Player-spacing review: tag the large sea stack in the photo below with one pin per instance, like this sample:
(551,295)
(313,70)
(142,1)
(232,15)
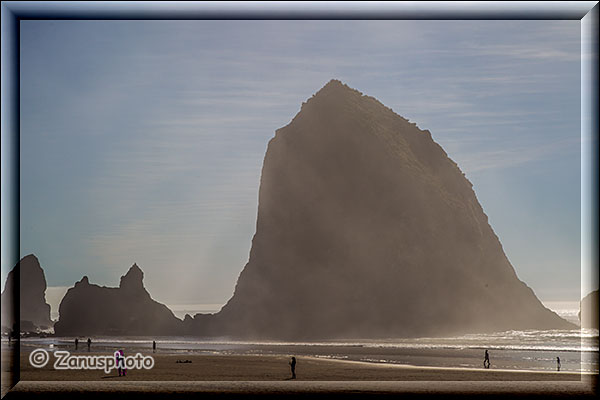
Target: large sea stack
(367,229)
(33,309)
(89,309)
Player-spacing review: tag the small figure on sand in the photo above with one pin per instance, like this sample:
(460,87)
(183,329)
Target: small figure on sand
(121,362)
(76,343)
(89,342)
(293,366)
(118,361)
(486,360)
(154,346)
(558,363)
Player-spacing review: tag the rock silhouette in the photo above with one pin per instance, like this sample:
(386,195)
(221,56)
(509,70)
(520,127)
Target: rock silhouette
(34,311)
(366,228)
(588,310)
(89,309)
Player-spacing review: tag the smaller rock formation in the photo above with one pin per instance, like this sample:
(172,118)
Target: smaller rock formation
(34,311)
(588,311)
(89,309)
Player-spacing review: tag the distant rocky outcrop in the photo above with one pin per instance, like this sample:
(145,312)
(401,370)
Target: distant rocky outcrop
(366,228)
(89,309)
(33,309)
(588,311)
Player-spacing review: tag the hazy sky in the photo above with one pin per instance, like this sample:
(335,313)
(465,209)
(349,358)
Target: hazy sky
(143,141)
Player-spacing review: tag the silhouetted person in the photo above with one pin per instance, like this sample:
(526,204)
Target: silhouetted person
(89,342)
(154,346)
(76,343)
(120,362)
(293,366)
(558,363)
(486,360)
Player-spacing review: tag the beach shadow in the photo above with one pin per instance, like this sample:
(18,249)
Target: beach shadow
(289,379)
(111,376)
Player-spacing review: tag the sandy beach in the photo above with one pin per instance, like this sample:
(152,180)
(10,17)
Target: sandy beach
(276,368)
(270,374)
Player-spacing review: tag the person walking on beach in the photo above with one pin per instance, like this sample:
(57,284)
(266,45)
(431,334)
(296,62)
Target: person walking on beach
(89,342)
(293,366)
(154,346)
(558,363)
(486,360)
(76,343)
(120,363)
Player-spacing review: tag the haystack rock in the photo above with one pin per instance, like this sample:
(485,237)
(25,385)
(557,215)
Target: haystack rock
(367,229)
(588,311)
(89,309)
(34,311)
